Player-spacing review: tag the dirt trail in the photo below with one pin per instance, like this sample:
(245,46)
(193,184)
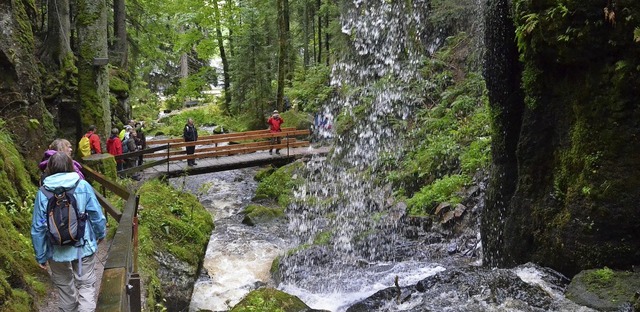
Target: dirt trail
(51,302)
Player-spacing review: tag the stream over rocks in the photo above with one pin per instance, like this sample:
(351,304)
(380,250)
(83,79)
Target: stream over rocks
(238,256)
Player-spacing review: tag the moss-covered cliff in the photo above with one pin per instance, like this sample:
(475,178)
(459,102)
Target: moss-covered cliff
(575,169)
(22,282)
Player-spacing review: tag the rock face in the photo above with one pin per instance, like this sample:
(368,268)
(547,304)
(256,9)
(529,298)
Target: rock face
(566,173)
(177,279)
(21,105)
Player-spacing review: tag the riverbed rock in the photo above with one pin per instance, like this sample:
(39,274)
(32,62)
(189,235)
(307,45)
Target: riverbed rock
(270,299)
(605,289)
(177,279)
(256,214)
(467,289)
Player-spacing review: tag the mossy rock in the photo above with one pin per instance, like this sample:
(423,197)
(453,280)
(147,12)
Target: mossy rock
(270,299)
(256,214)
(102,163)
(604,289)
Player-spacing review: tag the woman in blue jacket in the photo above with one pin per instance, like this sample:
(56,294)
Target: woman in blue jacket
(72,268)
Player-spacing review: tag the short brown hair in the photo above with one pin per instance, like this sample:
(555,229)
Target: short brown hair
(59,162)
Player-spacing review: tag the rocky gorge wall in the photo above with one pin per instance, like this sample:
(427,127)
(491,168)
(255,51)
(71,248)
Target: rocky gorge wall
(563,192)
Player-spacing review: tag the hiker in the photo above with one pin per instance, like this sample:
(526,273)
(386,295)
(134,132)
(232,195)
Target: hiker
(124,132)
(114,147)
(130,142)
(72,267)
(274,126)
(190,134)
(141,140)
(58,145)
(94,140)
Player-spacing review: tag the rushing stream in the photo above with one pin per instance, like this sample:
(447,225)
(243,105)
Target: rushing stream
(238,257)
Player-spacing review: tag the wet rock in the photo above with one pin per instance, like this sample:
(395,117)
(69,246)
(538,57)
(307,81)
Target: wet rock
(452,248)
(256,214)
(466,289)
(269,299)
(605,289)
(177,278)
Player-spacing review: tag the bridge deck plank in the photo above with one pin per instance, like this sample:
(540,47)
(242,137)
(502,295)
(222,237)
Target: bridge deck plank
(221,163)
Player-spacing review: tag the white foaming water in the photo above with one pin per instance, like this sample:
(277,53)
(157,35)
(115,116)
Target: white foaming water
(369,283)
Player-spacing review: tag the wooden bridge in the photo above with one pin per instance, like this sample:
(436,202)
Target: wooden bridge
(120,288)
(218,152)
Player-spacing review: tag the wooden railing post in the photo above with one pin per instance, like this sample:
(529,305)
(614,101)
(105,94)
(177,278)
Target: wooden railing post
(168,155)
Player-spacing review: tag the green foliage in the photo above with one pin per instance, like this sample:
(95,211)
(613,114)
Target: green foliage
(170,221)
(442,190)
(310,88)
(600,277)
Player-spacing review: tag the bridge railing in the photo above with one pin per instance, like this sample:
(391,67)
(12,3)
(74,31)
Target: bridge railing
(167,150)
(120,286)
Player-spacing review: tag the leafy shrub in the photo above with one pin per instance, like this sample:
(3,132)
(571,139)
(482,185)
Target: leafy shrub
(442,190)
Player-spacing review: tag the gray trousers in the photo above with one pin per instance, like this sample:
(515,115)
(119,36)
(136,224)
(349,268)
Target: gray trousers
(77,292)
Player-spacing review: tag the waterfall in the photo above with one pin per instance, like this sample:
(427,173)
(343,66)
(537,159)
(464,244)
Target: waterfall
(343,215)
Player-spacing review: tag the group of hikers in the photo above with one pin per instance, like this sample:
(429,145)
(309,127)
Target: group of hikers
(68,222)
(130,139)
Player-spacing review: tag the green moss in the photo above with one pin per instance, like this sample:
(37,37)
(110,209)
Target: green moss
(255,214)
(279,185)
(269,299)
(189,226)
(21,280)
(118,82)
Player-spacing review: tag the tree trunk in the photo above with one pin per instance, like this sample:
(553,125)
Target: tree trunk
(57,47)
(305,36)
(93,78)
(282,54)
(120,48)
(290,56)
(326,34)
(319,3)
(223,56)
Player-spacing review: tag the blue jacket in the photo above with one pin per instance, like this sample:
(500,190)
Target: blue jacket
(86,201)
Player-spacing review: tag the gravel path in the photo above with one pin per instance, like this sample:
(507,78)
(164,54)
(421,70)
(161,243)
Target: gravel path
(51,302)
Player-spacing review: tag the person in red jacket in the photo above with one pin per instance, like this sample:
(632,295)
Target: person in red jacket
(114,147)
(94,140)
(274,126)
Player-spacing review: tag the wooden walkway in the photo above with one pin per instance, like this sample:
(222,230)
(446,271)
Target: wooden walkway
(166,158)
(215,164)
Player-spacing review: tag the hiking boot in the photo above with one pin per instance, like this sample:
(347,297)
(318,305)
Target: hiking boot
(270,152)
(278,152)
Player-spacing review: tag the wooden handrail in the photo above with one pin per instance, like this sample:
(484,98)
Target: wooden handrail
(239,151)
(241,138)
(213,136)
(120,285)
(217,148)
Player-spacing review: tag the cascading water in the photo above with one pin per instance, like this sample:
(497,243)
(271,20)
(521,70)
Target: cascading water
(344,200)
(350,229)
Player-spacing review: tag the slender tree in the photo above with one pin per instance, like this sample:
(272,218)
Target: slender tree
(223,57)
(120,46)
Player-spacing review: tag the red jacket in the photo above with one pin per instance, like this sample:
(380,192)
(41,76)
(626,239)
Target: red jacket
(274,124)
(94,141)
(114,146)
